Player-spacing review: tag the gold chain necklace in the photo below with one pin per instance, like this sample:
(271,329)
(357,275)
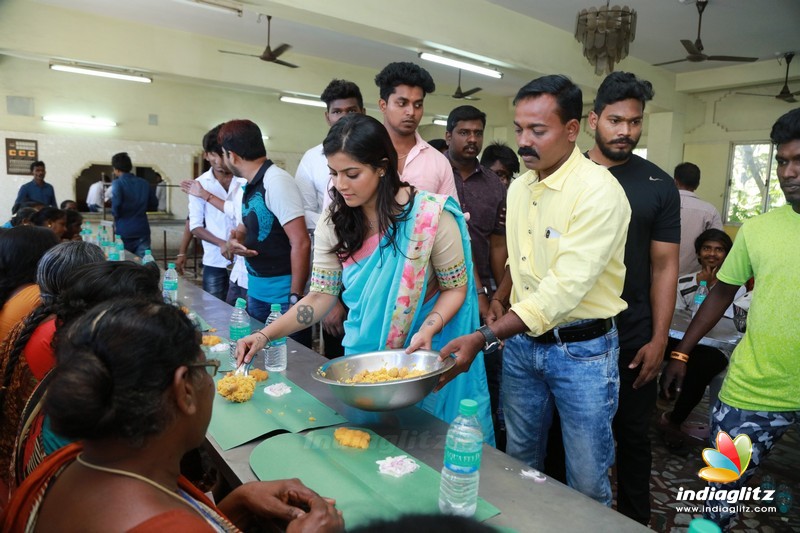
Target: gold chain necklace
(134,475)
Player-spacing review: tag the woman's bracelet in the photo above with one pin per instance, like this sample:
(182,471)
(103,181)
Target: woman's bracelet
(439,315)
(269,341)
(680,356)
(181,255)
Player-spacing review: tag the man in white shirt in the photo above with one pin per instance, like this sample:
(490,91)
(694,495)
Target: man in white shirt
(696,216)
(208,223)
(403,87)
(95,198)
(161,192)
(313,177)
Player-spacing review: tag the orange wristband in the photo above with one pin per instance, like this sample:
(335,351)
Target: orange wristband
(680,356)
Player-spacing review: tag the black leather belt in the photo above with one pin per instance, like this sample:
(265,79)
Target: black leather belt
(581,332)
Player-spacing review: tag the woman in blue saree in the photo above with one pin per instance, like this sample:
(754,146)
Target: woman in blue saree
(401,256)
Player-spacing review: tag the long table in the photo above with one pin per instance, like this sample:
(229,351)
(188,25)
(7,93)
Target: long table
(526,505)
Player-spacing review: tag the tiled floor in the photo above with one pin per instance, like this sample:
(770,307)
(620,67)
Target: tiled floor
(672,471)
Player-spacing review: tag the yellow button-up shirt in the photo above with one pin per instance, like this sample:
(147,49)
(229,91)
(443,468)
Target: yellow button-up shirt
(566,244)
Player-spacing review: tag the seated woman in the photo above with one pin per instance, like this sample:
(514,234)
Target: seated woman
(711,246)
(132,384)
(20,250)
(52,218)
(403,258)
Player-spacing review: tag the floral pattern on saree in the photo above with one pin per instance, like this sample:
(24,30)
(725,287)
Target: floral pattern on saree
(426,223)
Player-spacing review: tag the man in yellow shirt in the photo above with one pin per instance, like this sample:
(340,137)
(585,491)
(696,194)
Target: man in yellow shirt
(566,229)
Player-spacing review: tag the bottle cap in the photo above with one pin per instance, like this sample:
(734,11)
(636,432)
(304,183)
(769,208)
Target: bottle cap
(241,303)
(275,307)
(702,525)
(170,265)
(703,284)
(147,252)
(468,407)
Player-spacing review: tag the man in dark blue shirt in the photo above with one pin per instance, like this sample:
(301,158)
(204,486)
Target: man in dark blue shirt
(36,190)
(131,198)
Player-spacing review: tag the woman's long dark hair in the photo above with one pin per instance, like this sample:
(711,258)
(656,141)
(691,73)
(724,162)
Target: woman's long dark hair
(365,140)
(20,251)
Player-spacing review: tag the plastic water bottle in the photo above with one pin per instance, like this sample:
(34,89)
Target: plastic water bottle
(120,251)
(703,525)
(783,498)
(113,252)
(239,326)
(699,297)
(276,351)
(148,257)
(458,491)
(170,286)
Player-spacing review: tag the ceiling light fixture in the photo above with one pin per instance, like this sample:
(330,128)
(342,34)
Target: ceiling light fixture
(101,72)
(217,5)
(302,101)
(440,121)
(92,122)
(460,64)
(606,34)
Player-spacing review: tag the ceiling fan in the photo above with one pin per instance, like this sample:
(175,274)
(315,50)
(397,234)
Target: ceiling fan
(695,49)
(269,55)
(786,95)
(466,95)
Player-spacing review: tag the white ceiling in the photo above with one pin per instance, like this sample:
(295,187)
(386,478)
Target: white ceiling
(763,28)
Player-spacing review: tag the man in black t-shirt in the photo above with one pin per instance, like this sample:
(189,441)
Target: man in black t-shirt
(651,260)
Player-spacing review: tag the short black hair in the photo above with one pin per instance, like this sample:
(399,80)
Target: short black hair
(122,162)
(688,174)
(499,151)
(37,164)
(439,144)
(713,234)
(244,138)
(403,73)
(567,94)
(464,112)
(63,204)
(620,86)
(211,140)
(786,128)
(340,90)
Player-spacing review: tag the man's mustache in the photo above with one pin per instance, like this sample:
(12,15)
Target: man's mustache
(623,140)
(526,150)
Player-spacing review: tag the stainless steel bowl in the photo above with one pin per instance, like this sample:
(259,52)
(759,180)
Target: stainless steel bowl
(387,395)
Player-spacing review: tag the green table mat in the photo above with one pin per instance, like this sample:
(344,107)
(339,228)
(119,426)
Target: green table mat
(351,476)
(225,362)
(233,424)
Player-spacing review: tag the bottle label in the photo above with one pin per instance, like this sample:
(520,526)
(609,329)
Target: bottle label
(171,285)
(238,332)
(462,462)
(278,342)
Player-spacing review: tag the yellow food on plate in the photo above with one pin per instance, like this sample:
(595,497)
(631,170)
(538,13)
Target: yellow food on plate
(260,375)
(211,340)
(354,438)
(236,388)
(185,309)
(385,374)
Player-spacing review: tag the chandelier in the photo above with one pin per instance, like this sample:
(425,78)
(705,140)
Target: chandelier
(606,33)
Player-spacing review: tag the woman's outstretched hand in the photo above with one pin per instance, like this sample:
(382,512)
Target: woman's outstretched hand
(248,347)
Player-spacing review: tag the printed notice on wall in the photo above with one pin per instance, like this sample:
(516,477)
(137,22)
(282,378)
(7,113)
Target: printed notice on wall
(20,153)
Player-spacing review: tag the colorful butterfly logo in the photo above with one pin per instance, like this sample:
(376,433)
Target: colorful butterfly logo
(729,461)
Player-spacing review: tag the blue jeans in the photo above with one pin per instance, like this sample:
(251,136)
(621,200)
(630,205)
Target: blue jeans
(581,379)
(260,311)
(137,245)
(765,428)
(235,292)
(215,281)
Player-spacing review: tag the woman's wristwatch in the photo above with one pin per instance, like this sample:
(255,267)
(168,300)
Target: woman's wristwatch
(484,291)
